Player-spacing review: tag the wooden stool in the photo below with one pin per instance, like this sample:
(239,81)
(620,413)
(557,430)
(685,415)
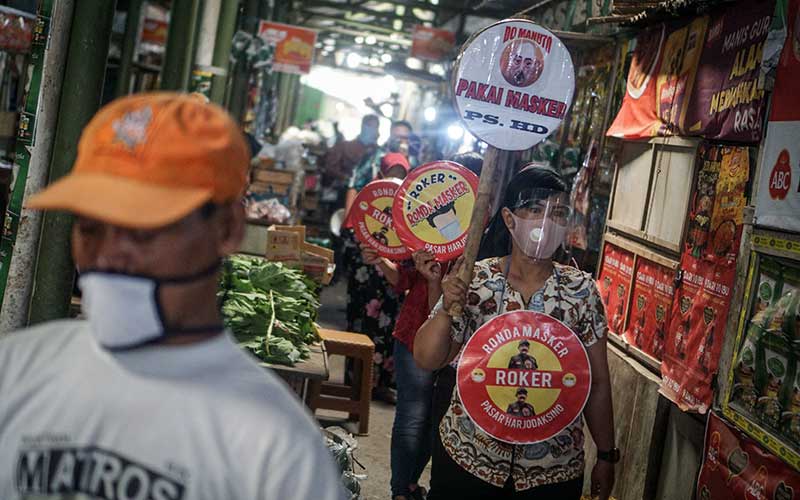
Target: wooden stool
(354,398)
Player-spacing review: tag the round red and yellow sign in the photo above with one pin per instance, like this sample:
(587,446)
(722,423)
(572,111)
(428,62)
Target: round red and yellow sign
(524,377)
(433,208)
(371,219)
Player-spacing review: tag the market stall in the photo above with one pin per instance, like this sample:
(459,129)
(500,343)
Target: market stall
(693,291)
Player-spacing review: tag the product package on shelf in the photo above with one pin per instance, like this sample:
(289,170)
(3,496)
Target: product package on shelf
(765,378)
(651,307)
(708,272)
(737,467)
(616,272)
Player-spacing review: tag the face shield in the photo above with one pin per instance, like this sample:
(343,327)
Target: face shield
(540,221)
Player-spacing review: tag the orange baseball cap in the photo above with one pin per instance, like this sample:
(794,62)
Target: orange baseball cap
(148,160)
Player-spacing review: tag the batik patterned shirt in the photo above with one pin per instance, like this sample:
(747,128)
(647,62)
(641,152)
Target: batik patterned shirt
(568,295)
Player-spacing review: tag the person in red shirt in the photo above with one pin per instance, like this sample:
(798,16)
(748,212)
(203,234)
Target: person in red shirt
(420,280)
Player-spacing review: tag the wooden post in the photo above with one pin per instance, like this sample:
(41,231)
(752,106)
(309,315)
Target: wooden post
(477,224)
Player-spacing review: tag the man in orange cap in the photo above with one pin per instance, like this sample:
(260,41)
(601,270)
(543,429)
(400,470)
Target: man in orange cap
(150,397)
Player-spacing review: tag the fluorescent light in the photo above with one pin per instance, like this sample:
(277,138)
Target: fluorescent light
(430,114)
(397,24)
(437,69)
(359,40)
(370,40)
(353,60)
(386,58)
(413,63)
(455,132)
(374,61)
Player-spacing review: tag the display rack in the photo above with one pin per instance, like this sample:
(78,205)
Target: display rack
(785,247)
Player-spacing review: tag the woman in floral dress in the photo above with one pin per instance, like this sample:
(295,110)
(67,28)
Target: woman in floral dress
(372,304)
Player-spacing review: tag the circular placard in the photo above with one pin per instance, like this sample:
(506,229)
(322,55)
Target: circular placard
(433,207)
(513,84)
(371,218)
(524,377)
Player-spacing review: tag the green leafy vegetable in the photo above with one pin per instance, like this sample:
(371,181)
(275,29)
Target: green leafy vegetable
(270,308)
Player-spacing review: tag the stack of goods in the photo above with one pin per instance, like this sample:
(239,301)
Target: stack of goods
(767,377)
(268,211)
(341,444)
(266,181)
(270,308)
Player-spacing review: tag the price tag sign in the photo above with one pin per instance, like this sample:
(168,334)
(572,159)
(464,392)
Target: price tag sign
(524,377)
(513,84)
(371,218)
(433,207)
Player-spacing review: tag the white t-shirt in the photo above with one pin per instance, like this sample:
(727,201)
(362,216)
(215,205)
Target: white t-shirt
(201,421)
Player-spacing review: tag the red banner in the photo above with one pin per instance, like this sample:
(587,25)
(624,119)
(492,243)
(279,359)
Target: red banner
(294,46)
(727,102)
(699,78)
(734,467)
(708,264)
(785,97)
(432,44)
(778,199)
(651,307)
(16,31)
(616,272)
(637,118)
(155,31)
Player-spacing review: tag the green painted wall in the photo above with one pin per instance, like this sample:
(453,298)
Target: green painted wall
(308,105)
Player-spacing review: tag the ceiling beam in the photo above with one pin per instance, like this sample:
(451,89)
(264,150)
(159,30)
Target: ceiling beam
(368,29)
(383,38)
(390,15)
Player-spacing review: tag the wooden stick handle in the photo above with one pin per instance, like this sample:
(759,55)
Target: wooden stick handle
(477,224)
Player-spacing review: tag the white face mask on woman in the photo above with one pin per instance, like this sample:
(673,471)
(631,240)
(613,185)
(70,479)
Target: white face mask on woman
(538,238)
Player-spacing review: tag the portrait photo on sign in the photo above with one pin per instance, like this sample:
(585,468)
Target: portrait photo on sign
(521,63)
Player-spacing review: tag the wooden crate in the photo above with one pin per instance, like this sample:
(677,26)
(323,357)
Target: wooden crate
(273,176)
(278,188)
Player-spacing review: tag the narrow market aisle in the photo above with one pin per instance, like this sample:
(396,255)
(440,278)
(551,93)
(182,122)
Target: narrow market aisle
(373,450)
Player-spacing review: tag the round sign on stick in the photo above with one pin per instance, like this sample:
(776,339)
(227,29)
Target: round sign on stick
(524,377)
(513,84)
(433,207)
(371,218)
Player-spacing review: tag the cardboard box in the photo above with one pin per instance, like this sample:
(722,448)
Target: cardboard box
(284,246)
(310,203)
(317,268)
(318,250)
(318,262)
(300,230)
(270,187)
(273,176)
(8,124)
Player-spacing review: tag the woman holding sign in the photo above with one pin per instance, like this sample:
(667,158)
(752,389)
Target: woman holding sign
(373,305)
(514,430)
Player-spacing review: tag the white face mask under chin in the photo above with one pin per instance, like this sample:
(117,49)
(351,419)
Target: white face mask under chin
(538,239)
(124,311)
